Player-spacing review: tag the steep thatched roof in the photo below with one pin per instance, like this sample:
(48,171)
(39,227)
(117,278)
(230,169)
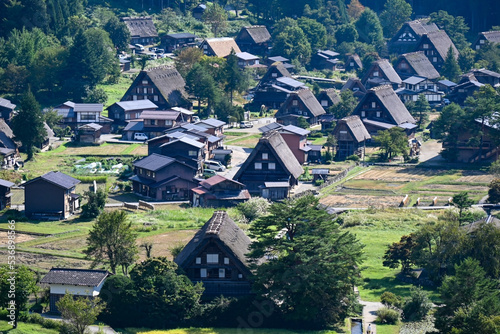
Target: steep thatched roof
(6,136)
(281,151)
(356,127)
(491,36)
(330,94)
(442,43)
(219,228)
(258,34)
(307,98)
(422,26)
(170,84)
(140,26)
(387,71)
(419,62)
(222,46)
(277,68)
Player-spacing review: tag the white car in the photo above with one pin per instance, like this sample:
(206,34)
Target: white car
(215,165)
(140,136)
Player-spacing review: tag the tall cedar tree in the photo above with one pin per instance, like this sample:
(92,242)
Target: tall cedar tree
(451,70)
(27,124)
(312,265)
(369,28)
(235,78)
(202,85)
(113,239)
(396,12)
(422,109)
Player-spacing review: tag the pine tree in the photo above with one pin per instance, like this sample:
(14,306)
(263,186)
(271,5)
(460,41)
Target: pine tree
(450,69)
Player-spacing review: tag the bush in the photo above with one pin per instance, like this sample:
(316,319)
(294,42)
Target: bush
(317,183)
(389,299)
(417,306)
(316,134)
(253,208)
(353,157)
(90,179)
(387,316)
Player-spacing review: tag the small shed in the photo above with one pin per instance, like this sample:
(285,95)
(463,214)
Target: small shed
(78,282)
(221,155)
(275,190)
(89,133)
(320,174)
(124,65)
(5,194)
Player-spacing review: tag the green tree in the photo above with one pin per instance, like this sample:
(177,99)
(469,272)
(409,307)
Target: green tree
(494,191)
(400,253)
(216,17)
(27,124)
(469,291)
(331,143)
(235,78)
(186,59)
(315,32)
(448,127)
(18,286)
(454,26)
(302,123)
(346,33)
(393,142)
(417,306)
(118,32)
(202,85)
(346,106)
(483,245)
(466,59)
(422,109)
(112,239)
(95,203)
(396,12)
(47,68)
(369,28)
(291,42)
(95,95)
(450,69)
(79,311)
(313,264)
(254,208)
(52,118)
(462,202)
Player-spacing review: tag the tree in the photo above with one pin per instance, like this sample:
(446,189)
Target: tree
(113,239)
(393,142)
(235,79)
(24,281)
(454,26)
(290,41)
(216,17)
(417,306)
(462,202)
(346,106)
(95,203)
(369,28)
(400,253)
(313,264)
(468,292)
(396,12)
(355,9)
(118,32)
(79,311)
(422,109)
(448,127)
(315,32)
(95,95)
(450,69)
(202,85)
(254,208)
(186,59)
(27,124)
(143,60)
(346,33)
(52,118)
(302,123)
(148,247)
(331,143)
(494,191)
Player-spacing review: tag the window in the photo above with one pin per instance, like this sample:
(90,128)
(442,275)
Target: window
(127,116)
(137,114)
(375,73)
(343,135)
(425,46)
(378,114)
(363,113)
(134,97)
(258,165)
(148,173)
(212,258)
(138,90)
(151,91)
(145,90)
(192,153)
(434,59)
(274,75)
(203,273)
(155,98)
(144,82)
(87,116)
(403,65)
(152,121)
(481,41)
(222,273)
(226,260)
(351,64)
(271,166)
(374,105)
(198,260)
(168,122)
(295,102)
(265,156)
(240,275)
(205,46)
(324,103)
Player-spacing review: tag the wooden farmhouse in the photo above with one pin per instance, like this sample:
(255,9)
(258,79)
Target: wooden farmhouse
(219,47)
(352,62)
(415,64)
(51,196)
(254,39)
(142,30)
(77,282)
(5,193)
(75,115)
(351,136)
(328,97)
(435,46)
(219,192)
(381,73)
(163,178)
(6,109)
(124,111)
(408,36)
(163,86)
(301,103)
(173,42)
(215,256)
(272,90)
(270,161)
(356,86)
(486,37)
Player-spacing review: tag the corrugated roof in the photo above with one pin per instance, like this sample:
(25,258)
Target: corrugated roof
(186,140)
(246,56)
(222,46)
(294,129)
(182,35)
(212,122)
(160,114)
(136,105)
(134,126)
(278,58)
(154,162)
(6,183)
(93,126)
(414,80)
(276,185)
(82,277)
(290,82)
(140,26)
(270,126)
(85,107)
(419,62)
(7,104)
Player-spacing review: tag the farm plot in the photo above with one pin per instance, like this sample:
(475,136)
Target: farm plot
(163,243)
(44,262)
(475,177)
(20,237)
(361,201)
(397,174)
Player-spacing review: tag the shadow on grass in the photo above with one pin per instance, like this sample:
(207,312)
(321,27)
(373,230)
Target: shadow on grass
(378,286)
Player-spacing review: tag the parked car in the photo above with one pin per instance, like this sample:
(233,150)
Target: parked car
(215,165)
(246,124)
(140,47)
(140,136)
(160,51)
(153,49)
(209,173)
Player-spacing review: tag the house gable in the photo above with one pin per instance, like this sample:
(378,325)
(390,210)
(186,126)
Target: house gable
(435,46)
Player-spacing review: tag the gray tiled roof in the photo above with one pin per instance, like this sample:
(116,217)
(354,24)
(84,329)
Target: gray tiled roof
(57,178)
(154,162)
(79,107)
(83,277)
(295,129)
(6,183)
(290,82)
(246,56)
(182,35)
(212,122)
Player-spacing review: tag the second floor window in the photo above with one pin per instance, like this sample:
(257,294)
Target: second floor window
(258,165)
(192,153)
(271,166)
(212,258)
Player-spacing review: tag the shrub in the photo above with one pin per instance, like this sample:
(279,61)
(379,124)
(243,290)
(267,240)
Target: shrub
(387,316)
(253,208)
(90,179)
(417,306)
(353,157)
(389,299)
(318,182)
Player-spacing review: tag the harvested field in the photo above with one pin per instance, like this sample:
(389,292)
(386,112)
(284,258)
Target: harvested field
(104,149)
(361,201)
(399,174)
(162,243)
(475,177)
(455,187)
(44,262)
(69,244)
(374,185)
(19,238)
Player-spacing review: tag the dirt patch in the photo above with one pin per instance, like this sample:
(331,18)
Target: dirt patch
(162,243)
(399,174)
(456,187)
(44,262)
(475,177)
(19,238)
(361,201)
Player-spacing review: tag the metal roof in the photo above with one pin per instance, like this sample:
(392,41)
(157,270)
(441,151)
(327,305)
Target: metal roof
(154,162)
(84,277)
(137,105)
(290,82)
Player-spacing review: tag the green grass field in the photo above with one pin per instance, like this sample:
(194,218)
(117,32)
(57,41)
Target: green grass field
(24,328)
(221,331)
